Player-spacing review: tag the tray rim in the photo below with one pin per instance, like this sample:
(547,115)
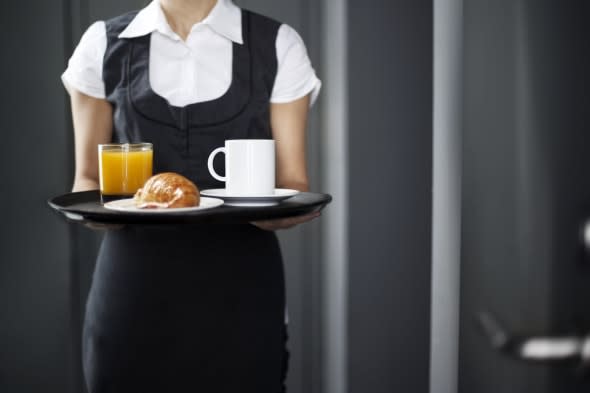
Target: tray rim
(221,214)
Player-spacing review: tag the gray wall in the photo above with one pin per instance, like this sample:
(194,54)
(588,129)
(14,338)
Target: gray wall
(35,351)
(390,182)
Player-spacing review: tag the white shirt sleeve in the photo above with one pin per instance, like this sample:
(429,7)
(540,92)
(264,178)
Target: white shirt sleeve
(84,72)
(295,76)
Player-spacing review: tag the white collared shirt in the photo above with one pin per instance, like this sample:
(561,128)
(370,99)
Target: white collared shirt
(198,69)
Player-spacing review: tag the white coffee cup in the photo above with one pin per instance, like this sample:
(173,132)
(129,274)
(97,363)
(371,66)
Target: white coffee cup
(249,167)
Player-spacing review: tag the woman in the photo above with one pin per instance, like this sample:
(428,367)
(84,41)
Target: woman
(189,308)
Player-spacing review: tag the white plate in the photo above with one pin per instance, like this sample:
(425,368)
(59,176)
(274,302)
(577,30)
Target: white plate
(127,205)
(251,201)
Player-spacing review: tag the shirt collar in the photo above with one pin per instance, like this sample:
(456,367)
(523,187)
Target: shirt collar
(225,18)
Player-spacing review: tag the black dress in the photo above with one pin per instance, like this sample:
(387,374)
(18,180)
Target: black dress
(188,308)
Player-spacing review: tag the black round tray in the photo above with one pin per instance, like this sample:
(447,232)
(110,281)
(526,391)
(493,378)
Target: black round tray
(85,207)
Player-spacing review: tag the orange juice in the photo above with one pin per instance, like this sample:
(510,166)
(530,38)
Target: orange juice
(124,168)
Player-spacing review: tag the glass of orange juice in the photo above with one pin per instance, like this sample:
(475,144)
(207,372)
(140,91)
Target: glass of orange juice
(123,169)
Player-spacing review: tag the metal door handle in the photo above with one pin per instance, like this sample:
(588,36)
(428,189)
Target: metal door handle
(535,349)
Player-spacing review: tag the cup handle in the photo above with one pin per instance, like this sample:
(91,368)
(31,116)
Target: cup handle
(210,163)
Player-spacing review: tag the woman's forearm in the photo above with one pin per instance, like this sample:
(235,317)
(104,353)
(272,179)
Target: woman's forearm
(299,185)
(93,123)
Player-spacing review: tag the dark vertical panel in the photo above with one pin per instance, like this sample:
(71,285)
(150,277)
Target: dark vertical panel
(390,150)
(493,277)
(289,12)
(70,14)
(105,9)
(311,265)
(34,277)
(525,185)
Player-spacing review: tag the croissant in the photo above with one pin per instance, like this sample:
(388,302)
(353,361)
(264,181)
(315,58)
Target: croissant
(167,190)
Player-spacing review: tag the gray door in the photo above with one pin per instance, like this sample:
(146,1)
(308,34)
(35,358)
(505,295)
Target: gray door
(526,195)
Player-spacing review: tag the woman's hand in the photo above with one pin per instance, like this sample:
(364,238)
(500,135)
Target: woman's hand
(288,122)
(285,223)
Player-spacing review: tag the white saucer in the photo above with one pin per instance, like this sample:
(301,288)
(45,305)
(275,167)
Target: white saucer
(127,205)
(251,201)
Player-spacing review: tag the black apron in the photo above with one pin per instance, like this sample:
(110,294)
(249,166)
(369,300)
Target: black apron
(188,308)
